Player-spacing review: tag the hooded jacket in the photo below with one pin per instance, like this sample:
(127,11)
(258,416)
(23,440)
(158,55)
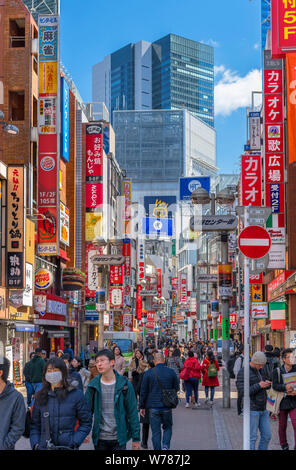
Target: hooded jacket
(125,409)
(193,367)
(12,417)
(63,415)
(36,366)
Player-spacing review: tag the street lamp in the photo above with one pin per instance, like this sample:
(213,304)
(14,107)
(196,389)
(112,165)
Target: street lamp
(8,128)
(224,197)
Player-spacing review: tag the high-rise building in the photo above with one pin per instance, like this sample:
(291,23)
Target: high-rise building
(265,20)
(170,73)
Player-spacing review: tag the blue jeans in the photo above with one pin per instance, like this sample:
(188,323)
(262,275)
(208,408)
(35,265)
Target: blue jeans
(37,386)
(212,392)
(191,384)
(259,420)
(158,417)
(30,392)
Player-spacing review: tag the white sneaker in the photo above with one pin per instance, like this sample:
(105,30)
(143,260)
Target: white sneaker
(197,405)
(211,403)
(187,405)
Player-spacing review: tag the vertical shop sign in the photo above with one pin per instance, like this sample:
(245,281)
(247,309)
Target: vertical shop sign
(251,180)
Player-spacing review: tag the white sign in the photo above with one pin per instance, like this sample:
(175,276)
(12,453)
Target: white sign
(259,310)
(64,224)
(255,131)
(28,292)
(207,278)
(40,303)
(92,274)
(277,235)
(277,256)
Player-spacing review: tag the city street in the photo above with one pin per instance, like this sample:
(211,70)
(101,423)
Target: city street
(204,428)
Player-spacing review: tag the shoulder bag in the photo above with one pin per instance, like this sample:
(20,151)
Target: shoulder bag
(49,444)
(169,396)
(274,398)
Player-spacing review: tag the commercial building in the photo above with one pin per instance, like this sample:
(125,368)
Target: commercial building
(170,73)
(265,21)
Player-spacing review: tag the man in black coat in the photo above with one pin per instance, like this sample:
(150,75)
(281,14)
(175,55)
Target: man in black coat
(271,363)
(259,416)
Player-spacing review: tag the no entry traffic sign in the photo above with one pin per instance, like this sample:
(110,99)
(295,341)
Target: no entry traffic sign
(254,242)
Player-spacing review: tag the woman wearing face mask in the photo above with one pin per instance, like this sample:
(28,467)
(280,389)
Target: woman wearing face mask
(65,405)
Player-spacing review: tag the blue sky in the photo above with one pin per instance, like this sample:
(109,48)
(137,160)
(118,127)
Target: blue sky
(91,29)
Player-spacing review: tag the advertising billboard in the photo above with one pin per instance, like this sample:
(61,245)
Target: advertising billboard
(188,185)
(160,207)
(251,180)
(64,147)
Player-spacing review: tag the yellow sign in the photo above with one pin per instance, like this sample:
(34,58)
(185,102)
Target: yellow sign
(93,225)
(48,78)
(257,293)
(160,210)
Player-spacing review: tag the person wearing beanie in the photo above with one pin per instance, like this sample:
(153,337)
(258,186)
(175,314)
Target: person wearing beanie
(259,416)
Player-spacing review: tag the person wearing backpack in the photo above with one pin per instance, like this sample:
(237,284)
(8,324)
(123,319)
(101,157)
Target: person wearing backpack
(210,369)
(113,403)
(271,363)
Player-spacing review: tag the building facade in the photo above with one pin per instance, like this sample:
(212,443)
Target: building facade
(170,73)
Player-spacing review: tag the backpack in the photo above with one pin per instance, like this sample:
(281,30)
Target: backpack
(267,369)
(230,366)
(212,371)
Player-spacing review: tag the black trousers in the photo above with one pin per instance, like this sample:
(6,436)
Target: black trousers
(145,433)
(109,445)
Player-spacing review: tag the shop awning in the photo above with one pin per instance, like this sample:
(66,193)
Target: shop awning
(26,327)
(58,334)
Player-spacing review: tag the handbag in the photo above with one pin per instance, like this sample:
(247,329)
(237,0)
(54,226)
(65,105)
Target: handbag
(28,420)
(274,399)
(184,374)
(49,444)
(169,396)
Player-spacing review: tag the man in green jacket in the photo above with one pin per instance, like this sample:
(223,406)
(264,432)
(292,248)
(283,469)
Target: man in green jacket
(112,400)
(36,366)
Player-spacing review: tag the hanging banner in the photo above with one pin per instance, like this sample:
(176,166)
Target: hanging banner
(94,153)
(225,280)
(15,246)
(291,104)
(257,293)
(159,284)
(127,193)
(251,180)
(255,130)
(277,312)
(140,260)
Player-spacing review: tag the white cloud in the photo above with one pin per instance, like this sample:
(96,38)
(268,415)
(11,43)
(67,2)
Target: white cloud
(211,42)
(256,45)
(233,91)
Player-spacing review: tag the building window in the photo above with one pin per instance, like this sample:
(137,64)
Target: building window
(16,106)
(17,32)
(35,107)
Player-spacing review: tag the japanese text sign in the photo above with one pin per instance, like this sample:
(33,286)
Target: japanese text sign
(251,180)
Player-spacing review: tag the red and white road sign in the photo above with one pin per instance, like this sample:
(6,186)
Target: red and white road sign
(254,242)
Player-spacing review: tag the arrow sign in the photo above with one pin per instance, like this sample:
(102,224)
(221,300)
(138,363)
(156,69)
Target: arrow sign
(254,242)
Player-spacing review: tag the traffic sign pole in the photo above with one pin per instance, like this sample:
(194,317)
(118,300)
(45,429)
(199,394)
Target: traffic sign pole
(246,403)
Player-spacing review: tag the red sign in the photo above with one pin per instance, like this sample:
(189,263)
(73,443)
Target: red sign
(254,242)
(273,81)
(286,15)
(150,320)
(174,283)
(251,180)
(93,196)
(47,180)
(183,294)
(139,301)
(277,282)
(158,284)
(256,278)
(273,105)
(126,251)
(274,138)
(274,168)
(47,225)
(116,275)
(94,157)
(232,318)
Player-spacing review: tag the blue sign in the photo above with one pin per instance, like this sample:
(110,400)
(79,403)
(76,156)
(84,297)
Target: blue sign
(90,317)
(254,114)
(152,226)
(160,207)
(106,140)
(247,147)
(188,185)
(64,120)
(275,198)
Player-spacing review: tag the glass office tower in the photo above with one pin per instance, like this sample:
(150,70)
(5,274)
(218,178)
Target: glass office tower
(265,20)
(183,76)
(171,73)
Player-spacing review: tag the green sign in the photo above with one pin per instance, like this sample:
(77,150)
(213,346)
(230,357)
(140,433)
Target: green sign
(210,334)
(225,328)
(215,334)
(144,332)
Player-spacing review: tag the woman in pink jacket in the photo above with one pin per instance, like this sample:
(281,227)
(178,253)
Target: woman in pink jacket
(120,364)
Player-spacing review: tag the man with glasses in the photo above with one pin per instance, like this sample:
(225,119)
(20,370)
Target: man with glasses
(113,403)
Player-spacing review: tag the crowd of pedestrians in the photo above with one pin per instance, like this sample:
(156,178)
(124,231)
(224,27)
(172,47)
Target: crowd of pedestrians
(68,398)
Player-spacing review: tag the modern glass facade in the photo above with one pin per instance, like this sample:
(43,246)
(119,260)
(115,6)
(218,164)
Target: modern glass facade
(149,144)
(122,78)
(265,21)
(181,71)
(183,76)
(162,145)
(45,7)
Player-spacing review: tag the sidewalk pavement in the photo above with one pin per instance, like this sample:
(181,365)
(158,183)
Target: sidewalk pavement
(203,428)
